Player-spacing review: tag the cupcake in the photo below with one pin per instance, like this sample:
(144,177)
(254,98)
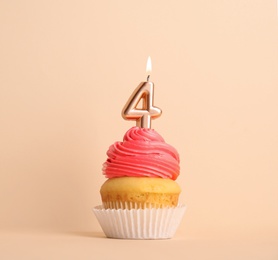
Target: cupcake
(140,197)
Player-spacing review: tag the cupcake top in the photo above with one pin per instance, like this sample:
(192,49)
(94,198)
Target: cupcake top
(143,153)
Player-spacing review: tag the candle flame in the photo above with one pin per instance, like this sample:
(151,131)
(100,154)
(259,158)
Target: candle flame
(149,66)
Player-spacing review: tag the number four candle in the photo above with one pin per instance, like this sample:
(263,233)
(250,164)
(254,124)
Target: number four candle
(144,92)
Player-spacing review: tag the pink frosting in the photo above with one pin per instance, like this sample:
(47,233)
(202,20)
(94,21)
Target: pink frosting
(143,153)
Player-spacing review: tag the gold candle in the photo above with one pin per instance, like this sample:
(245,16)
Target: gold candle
(144,92)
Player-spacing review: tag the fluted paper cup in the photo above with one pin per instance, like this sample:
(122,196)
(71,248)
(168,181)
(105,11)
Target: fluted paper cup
(148,223)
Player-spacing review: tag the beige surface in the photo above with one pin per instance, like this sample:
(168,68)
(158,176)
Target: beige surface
(67,69)
(92,245)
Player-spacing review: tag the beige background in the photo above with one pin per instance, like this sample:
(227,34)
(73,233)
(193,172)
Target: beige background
(68,67)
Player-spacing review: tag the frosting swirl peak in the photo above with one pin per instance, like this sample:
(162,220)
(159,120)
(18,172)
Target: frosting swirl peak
(143,153)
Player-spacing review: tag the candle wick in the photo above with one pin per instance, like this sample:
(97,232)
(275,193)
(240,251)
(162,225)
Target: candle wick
(148,77)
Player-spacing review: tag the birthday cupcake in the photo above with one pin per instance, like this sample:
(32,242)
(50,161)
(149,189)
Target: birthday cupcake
(140,197)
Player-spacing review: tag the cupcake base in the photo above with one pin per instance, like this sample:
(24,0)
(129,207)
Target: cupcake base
(139,192)
(148,223)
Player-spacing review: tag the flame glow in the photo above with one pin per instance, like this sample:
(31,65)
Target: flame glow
(149,66)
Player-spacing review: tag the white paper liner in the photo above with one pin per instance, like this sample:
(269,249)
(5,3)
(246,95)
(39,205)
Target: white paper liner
(148,223)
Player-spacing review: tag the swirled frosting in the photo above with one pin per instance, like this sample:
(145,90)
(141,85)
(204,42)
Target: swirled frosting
(143,153)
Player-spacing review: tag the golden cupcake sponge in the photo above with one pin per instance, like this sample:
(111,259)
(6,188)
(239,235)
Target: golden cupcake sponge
(139,192)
